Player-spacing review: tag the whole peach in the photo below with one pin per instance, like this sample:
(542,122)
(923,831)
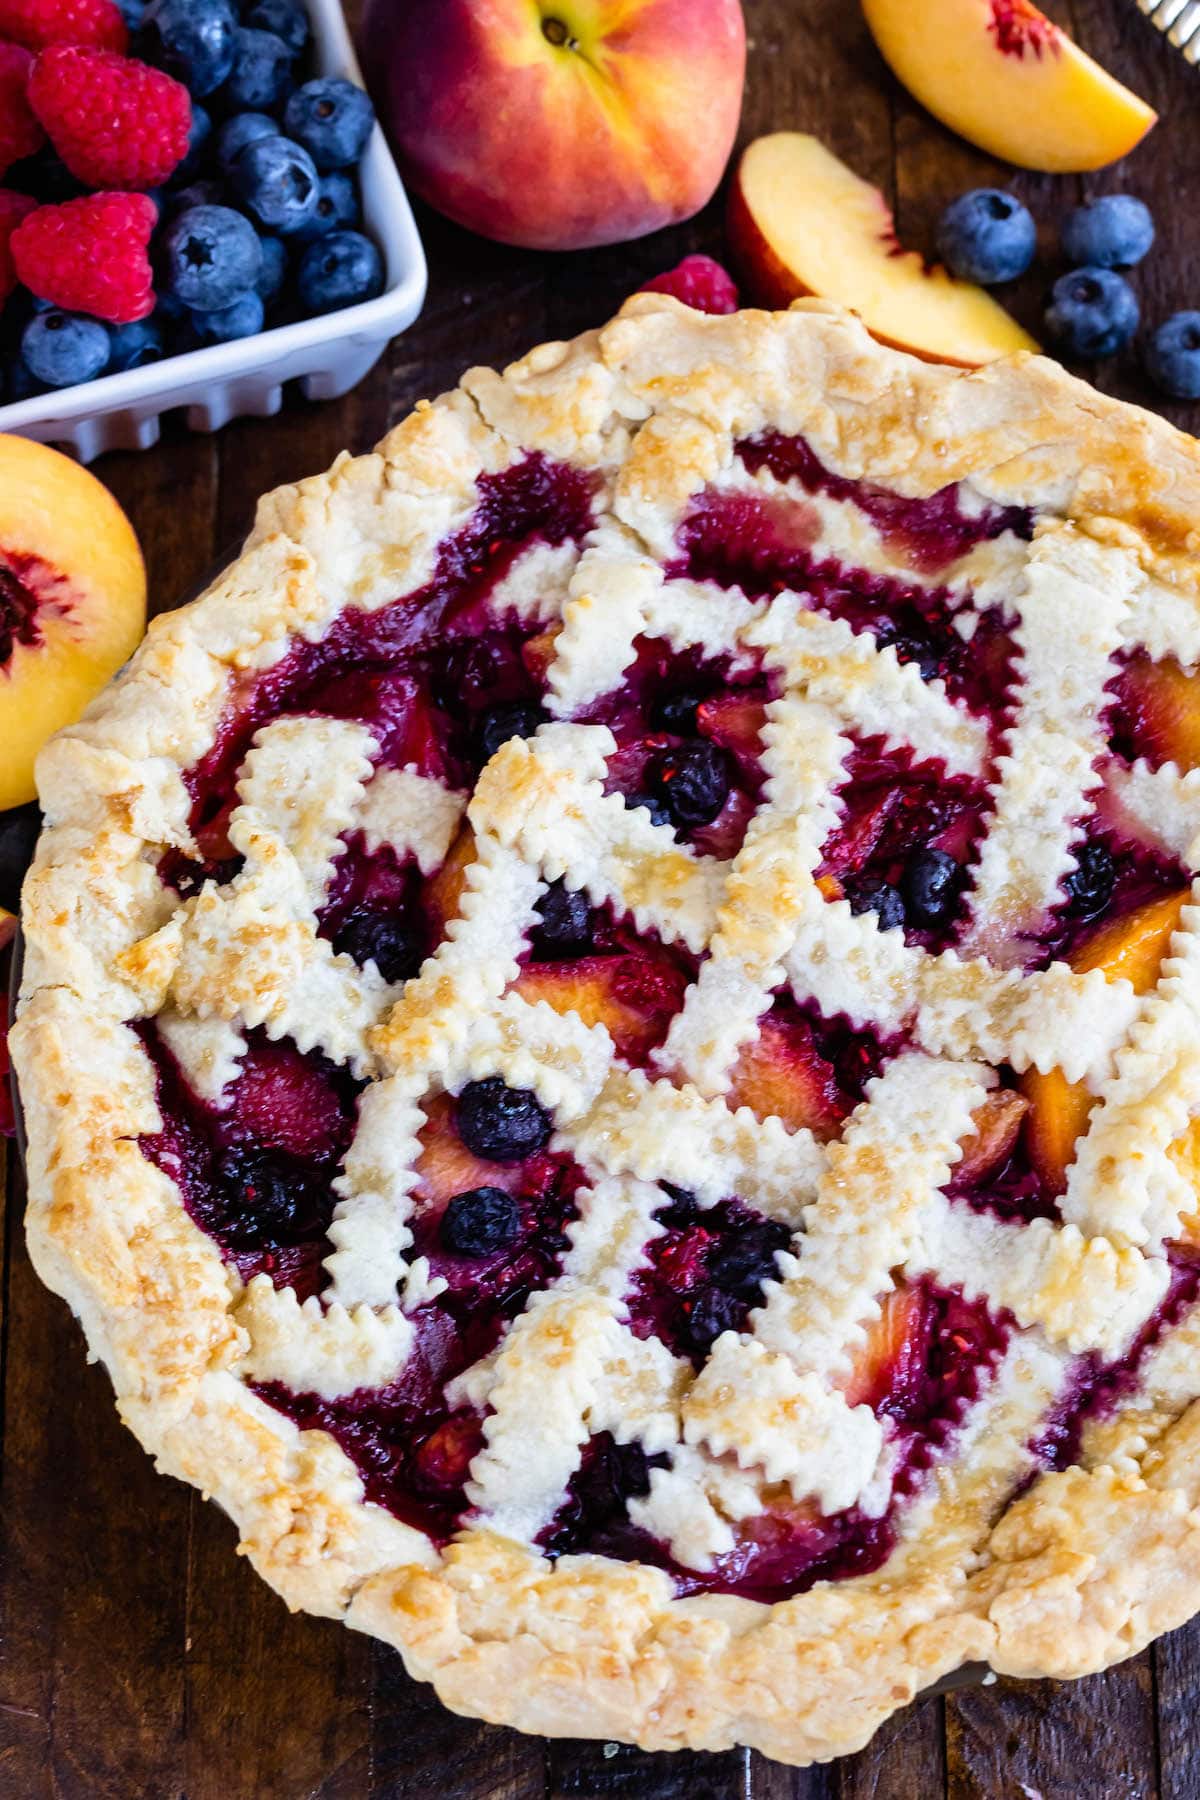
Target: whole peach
(559,125)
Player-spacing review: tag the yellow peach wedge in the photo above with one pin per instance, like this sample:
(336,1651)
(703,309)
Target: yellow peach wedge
(800,222)
(1006,79)
(1130,948)
(72,601)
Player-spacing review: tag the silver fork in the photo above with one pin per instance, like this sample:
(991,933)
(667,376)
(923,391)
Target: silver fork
(1179,22)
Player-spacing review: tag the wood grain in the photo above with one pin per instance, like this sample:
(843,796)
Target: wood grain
(138,1655)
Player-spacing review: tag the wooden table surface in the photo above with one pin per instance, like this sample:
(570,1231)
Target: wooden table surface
(140,1657)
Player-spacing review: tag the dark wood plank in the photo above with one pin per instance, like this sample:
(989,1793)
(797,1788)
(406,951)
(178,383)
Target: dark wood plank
(1176,1661)
(419,1749)
(597,1771)
(1053,1740)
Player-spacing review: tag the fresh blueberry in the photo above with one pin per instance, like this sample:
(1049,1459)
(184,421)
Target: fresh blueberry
(261,73)
(520,719)
(22,382)
(45,177)
(566,923)
(332,119)
(273,272)
(133,346)
(1112,232)
(712,1312)
(18,834)
(132,11)
(242,318)
(480,1222)
(197,193)
(879,897)
(210,256)
(987,236)
(242,129)
(1173,356)
(337,208)
(192,40)
(62,348)
(930,885)
(652,804)
(694,782)
(1090,883)
(278,181)
(677,711)
(384,939)
(500,1123)
(747,1259)
(339,270)
(199,137)
(286,18)
(1092,313)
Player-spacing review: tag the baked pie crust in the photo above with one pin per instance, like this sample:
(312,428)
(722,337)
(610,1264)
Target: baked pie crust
(997,1545)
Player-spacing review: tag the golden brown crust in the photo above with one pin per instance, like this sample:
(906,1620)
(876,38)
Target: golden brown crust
(1089,1564)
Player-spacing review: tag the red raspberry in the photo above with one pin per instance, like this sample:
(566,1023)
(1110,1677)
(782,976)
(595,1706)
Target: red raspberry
(20,133)
(116,123)
(90,255)
(700,282)
(36,23)
(13,208)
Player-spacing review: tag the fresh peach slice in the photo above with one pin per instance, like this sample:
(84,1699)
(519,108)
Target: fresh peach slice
(801,222)
(1163,702)
(1133,948)
(890,1341)
(72,601)
(998,1126)
(1002,76)
(781,1075)
(634,997)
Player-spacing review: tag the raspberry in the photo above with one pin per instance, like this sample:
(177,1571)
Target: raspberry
(36,23)
(13,208)
(90,255)
(116,123)
(700,282)
(20,133)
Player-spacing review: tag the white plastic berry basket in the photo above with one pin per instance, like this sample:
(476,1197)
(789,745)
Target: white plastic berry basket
(328,355)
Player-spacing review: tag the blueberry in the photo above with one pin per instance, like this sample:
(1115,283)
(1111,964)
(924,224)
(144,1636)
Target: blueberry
(22,382)
(261,73)
(278,182)
(384,939)
(132,11)
(1090,883)
(18,835)
(713,1311)
(879,897)
(242,318)
(192,40)
(1092,313)
(332,119)
(273,271)
(747,1259)
(500,1123)
(62,348)
(480,1222)
(266,1203)
(339,270)
(1173,356)
(566,923)
(987,236)
(286,18)
(337,209)
(652,804)
(199,136)
(694,782)
(197,193)
(684,1209)
(1113,232)
(134,346)
(519,718)
(242,129)
(210,256)
(930,885)
(677,712)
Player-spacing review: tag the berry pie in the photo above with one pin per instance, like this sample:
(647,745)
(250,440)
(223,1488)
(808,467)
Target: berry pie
(611,1033)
